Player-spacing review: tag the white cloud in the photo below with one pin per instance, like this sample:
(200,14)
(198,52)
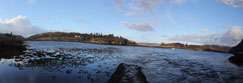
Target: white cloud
(178,1)
(80,20)
(141,26)
(20,25)
(230,38)
(130,14)
(31,1)
(233,3)
(234,34)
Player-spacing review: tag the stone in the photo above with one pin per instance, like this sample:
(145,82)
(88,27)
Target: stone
(128,73)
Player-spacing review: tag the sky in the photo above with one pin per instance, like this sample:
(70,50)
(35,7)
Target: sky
(200,22)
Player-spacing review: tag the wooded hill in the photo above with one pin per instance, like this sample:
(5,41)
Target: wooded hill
(95,38)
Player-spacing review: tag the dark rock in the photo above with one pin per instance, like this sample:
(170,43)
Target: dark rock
(238,54)
(237,59)
(128,73)
(237,49)
(68,71)
(53,77)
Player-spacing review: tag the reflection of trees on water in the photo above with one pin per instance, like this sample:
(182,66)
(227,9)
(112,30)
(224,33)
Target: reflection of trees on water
(70,61)
(10,53)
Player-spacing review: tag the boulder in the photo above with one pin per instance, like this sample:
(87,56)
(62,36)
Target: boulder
(128,73)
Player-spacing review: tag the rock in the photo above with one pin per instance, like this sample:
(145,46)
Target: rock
(128,73)
(68,71)
(237,49)
(53,77)
(238,54)
(237,59)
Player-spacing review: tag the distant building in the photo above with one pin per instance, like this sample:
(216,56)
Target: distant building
(77,36)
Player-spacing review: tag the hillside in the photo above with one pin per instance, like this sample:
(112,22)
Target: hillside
(214,48)
(95,38)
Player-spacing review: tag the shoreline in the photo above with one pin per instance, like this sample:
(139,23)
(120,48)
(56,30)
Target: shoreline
(141,46)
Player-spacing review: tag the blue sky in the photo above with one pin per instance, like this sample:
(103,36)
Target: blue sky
(153,21)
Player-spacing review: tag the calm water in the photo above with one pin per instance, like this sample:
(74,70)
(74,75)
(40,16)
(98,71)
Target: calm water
(70,62)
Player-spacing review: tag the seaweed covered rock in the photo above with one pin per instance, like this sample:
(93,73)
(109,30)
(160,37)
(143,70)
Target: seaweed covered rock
(11,45)
(128,73)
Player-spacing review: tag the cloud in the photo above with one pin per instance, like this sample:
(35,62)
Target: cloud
(145,6)
(80,20)
(130,14)
(233,36)
(224,26)
(178,1)
(119,4)
(141,26)
(31,1)
(165,36)
(233,3)
(229,38)
(19,25)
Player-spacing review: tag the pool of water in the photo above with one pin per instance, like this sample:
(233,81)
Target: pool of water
(73,62)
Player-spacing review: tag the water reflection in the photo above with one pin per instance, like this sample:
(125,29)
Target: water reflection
(10,53)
